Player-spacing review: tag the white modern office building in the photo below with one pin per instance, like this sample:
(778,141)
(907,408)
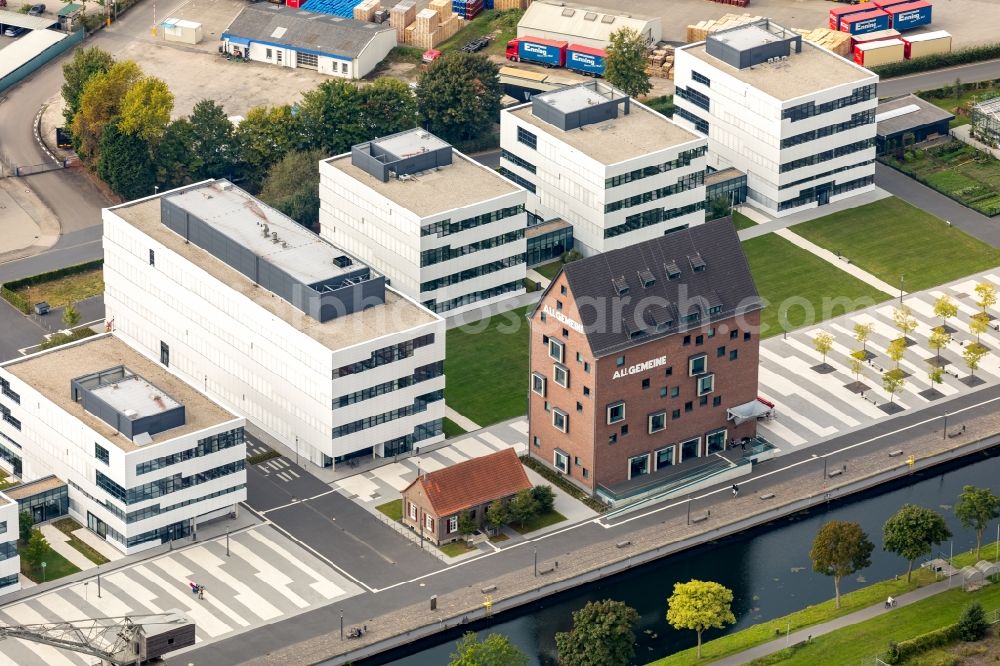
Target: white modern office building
(10,561)
(141,456)
(275,323)
(616,170)
(446,230)
(797,119)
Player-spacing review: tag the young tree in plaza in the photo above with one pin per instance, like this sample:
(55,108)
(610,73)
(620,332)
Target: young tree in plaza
(896,350)
(903,317)
(625,64)
(975,508)
(987,294)
(912,532)
(85,64)
(892,381)
(972,354)
(978,323)
(856,364)
(603,633)
(840,549)
(494,650)
(458,97)
(823,342)
(937,340)
(863,333)
(945,308)
(36,549)
(699,605)
(936,375)
(146,108)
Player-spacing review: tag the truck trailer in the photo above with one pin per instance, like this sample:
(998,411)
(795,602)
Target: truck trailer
(872,21)
(838,13)
(910,16)
(551,53)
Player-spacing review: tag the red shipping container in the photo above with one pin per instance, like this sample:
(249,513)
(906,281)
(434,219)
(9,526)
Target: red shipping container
(294,3)
(873,37)
(838,13)
(885,4)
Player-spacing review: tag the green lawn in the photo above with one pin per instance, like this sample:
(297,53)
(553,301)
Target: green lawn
(455,548)
(967,175)
(742,221)
(799,287)
(811,615)
(502,26)
(961,106)
(549,270)
(65,290)
(67,526)
(538,522)
(487,368)
(452,429)
(393,510)
(57,566)
(889,238)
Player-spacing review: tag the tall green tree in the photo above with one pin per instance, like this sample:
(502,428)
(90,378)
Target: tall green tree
(972,354)
(213,143)
(25,523)
(100,104)
(125,164)
(459,96)
(292,186)
(85,64)
(496,514)
(264,137)
(146,108)
(625,64)
(975,508)
(699,605)
(546,498)
(330,117)
(603,634)
(945,308)
(523,507)
(36,549)
(388,106)
(494,650)
(912,532)
(840,549)
(176,162)
(823,342)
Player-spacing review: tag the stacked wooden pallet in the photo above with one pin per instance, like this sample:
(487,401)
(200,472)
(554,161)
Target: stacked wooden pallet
(401,16)
(504,5)
(699,31)
(366,10)
(660,61)
(433,25)
(838,42)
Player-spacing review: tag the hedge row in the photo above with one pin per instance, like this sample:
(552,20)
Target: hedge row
(900,652)
(8,289)
(60,339)
(961,57)
(559,480)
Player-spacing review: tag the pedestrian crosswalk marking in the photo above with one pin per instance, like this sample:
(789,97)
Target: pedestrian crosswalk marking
(174,569)
(244,594)
(189,602)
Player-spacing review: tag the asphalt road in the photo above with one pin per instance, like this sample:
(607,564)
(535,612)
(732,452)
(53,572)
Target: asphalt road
(803,466)
(980,71)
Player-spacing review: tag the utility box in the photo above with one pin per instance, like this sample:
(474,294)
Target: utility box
(179,30)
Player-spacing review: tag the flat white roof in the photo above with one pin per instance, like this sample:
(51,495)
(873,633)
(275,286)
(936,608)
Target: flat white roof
(136,397)
(27,48)
(874,46)
(928,36)
(20,20)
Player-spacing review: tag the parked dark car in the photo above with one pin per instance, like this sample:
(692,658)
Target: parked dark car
(36,10)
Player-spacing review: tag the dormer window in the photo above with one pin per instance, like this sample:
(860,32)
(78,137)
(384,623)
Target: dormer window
(673,272)
(697,263)
(621,287)
(646,277)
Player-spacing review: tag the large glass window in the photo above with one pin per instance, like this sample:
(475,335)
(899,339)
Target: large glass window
(520,180)
(527,138)
(447,252)
(560,419)
(101,453)
(683,184)
(698,99)
(810,109)
(657,422)
(683,159)
(697,365)
(385,355)
(826,155)
(700,124)
(650,217)
(419,405)
(664,457)
(556,349)
(9,418)
(638,466)
(706,384)
(206,446)
(716,441)
(7,391)
(690,448)
(514,159)
(471,273)
(616,412)
(560,375)
(538,383)
(561,461)
(447,227)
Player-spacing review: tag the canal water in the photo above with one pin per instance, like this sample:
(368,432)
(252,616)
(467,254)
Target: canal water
(767,568)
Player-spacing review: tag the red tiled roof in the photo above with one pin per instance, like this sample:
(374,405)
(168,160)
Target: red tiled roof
(473,482)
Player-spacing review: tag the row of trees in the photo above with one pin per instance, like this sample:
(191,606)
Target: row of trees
(524,506)
(121,124)
(940,337)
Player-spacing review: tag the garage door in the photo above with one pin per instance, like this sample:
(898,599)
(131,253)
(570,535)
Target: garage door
(306,60)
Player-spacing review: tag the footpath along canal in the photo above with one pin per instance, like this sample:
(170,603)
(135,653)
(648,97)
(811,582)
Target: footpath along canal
(767,568)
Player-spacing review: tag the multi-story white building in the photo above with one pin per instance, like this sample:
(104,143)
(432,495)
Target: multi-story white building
(796,118)
(10,561)
(145,456)
(272,321)
(616,170)
(444,229)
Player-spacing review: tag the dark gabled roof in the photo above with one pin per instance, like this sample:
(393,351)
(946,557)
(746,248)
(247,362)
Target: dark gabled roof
(612,282)
(305,31)
(473,482)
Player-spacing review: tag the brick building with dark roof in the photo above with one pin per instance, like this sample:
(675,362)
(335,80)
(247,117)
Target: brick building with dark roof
(637,356)
(434,501)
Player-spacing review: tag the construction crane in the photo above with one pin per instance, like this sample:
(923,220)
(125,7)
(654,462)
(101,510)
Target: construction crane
(116,641)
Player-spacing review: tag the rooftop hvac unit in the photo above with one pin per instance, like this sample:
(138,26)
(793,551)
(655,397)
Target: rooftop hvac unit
(266,231)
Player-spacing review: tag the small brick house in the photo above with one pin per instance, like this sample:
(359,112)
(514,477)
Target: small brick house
(435,500)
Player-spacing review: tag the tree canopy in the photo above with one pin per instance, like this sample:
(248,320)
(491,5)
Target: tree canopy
(459,96)
(625,64)
(145,109)
(176,162)
(699,605)
(124,164)
(85,64)
(911,533)
(840,549)
(264,137)
(975,508)
(494,650)
(100,103)
(292,186)
(603,634)
(388,107)
(212,141)
(330,117)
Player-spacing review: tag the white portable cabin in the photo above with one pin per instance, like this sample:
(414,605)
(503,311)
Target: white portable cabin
(179,30)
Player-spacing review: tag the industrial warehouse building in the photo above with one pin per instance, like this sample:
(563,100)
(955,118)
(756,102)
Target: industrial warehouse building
(444,229)
(581,24)
(617,171)
(275,323)
(645,358)
(116,441)
(907,120)
(796,118)
(291,37)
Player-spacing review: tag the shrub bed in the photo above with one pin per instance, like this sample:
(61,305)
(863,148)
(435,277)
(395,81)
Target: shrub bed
(7,289)
(938,61)
(567,486)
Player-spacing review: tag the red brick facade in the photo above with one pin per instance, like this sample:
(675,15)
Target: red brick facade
(599,452)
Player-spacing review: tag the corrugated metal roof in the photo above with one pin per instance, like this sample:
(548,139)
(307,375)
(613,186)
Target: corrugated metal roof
(25,49)
(906,113)
(318,33)
(9,18)
(582,23)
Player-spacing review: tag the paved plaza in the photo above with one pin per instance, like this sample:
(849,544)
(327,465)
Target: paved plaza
(813,406)
(264,578)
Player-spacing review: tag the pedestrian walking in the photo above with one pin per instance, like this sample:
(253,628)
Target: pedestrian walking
(736,490)
(201,591)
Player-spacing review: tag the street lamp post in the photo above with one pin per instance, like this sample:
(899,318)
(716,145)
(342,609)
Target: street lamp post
(536,561)
(824,468)
(689,509)
(98,581)
(44,564)
(900,289)
(296,449)
(341,624)
(944,431)
(227,542)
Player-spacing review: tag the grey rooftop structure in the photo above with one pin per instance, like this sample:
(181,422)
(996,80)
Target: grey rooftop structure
(271,249)
(576,106)
(663,286)
(752,44)
(897,118)
(10,19)
(130,404)
(320,34)
(401,155)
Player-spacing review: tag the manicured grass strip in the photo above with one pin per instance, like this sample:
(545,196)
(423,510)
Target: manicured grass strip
(868,639)
(67,526)
(812,615)
(799,287)
(392,510)
(455,548)
(538,522)
(889,238)
(452,429)
(549,270)
(742,221)
(487,368)
(57,566)
(66,289)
